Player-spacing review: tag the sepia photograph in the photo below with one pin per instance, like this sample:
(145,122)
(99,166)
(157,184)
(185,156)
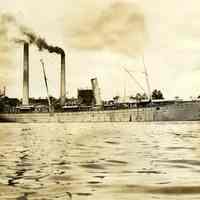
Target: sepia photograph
(99,100)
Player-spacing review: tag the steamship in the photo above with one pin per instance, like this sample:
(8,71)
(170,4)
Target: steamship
(89,107)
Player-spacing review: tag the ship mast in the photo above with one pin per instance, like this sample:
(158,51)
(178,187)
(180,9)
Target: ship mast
(46,84)
(147,80)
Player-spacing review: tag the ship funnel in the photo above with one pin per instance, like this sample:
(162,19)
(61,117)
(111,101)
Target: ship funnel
(25,100)
(96,92)
(62,81)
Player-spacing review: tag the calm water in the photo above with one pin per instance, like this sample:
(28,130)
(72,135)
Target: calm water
(100,161)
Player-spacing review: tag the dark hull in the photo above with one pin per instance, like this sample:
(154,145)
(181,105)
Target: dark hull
(189,111)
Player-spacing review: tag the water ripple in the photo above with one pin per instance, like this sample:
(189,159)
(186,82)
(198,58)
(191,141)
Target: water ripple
(100,161)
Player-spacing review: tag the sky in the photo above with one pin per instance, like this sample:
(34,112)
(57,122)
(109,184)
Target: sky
(100,39)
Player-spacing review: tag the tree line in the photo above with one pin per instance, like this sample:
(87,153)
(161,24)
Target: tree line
(156,94)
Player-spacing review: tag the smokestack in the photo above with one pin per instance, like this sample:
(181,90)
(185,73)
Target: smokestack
(25,100)
(96,91)
(62,80)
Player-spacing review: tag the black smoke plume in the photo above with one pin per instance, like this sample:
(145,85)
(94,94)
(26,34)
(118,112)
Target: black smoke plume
(27,35)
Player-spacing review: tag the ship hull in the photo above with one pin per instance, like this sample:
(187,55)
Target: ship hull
(180,112)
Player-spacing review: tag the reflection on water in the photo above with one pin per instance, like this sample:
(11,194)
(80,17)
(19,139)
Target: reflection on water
(98,161)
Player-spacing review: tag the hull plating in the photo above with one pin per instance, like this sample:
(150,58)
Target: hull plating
(180,112)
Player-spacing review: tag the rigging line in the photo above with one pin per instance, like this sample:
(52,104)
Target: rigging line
(131,75)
